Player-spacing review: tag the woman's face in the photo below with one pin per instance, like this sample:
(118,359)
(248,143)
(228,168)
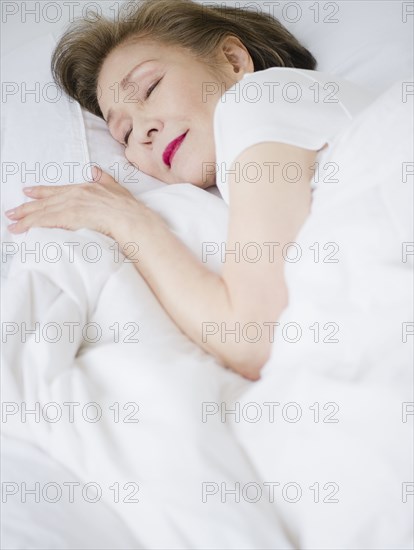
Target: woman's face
(170,95)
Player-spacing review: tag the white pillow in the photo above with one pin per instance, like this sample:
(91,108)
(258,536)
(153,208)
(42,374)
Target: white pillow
(43,137)
(369,43)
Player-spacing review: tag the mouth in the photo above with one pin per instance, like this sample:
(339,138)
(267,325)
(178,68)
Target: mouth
(172,148)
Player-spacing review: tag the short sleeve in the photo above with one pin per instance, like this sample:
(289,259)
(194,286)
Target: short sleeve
(295,106)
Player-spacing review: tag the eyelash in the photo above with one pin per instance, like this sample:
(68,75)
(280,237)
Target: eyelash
(149,92)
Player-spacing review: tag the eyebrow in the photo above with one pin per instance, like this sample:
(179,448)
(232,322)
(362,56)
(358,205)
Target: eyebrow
(124,82)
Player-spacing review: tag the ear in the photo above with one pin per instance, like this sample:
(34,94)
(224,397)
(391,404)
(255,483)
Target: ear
(237,55)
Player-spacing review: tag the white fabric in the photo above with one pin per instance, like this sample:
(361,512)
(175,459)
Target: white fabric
(47,515)
(294,106)
(366,42)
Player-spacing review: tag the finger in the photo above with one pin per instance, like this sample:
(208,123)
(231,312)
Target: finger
(44,191)
(30,207)
(56,217)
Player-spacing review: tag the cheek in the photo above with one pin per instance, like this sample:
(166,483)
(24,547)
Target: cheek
(195,100)
(137,161)
(200,163)
(130,157)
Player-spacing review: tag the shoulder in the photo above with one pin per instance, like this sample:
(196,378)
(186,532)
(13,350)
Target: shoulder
(298,107)
(289,88)
(289,98)
(277,104)
(275,85)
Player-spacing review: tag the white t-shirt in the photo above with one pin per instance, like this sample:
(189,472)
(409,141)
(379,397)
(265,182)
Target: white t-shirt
(295,106)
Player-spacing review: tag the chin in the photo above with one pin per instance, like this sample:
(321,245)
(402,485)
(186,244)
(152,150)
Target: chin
(204,185)
(200,184)
(196,179)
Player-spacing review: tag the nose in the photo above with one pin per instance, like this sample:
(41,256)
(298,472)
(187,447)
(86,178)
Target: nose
(147,130)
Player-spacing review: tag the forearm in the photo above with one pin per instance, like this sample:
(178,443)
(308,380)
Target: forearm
(196,298)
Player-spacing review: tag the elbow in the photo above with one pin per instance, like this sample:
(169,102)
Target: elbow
(251,372)
(248,363)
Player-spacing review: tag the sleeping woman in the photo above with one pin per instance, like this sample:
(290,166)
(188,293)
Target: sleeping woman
(210,96)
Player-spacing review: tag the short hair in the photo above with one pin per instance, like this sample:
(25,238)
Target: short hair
(81,51)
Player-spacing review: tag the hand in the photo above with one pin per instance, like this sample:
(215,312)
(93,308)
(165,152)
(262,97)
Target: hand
(103,205)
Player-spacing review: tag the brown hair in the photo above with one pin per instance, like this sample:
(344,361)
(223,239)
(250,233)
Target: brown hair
(81,51)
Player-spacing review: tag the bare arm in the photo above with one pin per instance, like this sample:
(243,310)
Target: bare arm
(267,211)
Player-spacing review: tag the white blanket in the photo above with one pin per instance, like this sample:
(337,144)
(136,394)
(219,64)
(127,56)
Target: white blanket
(151,384)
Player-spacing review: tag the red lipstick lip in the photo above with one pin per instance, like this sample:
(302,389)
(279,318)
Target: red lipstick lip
(172,148)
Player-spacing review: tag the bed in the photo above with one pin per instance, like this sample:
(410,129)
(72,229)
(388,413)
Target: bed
(117,430)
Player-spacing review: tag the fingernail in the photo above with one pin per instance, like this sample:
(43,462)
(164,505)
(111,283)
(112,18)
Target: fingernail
(10,212)
(27,189)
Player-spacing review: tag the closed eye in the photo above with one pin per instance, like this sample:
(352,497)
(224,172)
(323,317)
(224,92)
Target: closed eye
(149,92)
(152,88)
